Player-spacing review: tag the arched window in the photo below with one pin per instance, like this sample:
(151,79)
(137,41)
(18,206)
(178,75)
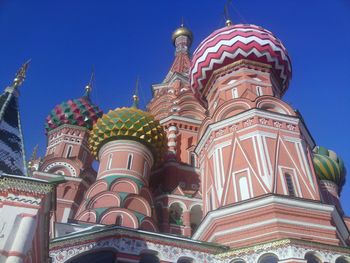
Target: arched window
(290,185)
(185,260)
(149,258)
(145,169)
(129,162)
(342,260)
(196,215)
(96,257)
(119,220)
(268,258)
(193,159)
(244,188)
(109,162)
(69,151)
(238,261)
(234,93)
(312,258)
(175,214)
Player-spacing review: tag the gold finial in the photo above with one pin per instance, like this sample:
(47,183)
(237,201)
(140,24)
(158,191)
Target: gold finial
(88,87)
(20,75)
(226,14)
(135,97)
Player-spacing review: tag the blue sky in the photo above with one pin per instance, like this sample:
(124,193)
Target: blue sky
(123,39)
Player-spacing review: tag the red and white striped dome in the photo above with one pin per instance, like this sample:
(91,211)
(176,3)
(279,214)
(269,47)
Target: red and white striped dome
(232,43)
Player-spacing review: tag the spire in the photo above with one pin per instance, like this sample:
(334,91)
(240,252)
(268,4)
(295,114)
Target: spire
(12,154)
(135,97)
(182,39)
(88,87)
(226,14)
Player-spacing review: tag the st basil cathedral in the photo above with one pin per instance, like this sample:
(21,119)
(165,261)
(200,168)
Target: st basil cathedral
(217,169)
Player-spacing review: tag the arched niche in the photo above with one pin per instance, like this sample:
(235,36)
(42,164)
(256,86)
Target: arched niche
(185,260)
(342,259)
(238,261)
(176,214)
(149,258)
(268,258)
(196,214)
(104,256)
(311,257)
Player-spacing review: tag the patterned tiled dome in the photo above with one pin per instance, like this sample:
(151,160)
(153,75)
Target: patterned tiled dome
(132,124)
(329,166)
(81,112)
(235,42)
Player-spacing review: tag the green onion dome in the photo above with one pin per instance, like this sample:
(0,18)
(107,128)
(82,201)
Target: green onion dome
(329,166)
(130,124)
(80,112)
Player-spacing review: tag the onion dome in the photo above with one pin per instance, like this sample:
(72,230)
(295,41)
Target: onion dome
(131,124)
(80,112)
(182,31)
(233,43)
(329,166)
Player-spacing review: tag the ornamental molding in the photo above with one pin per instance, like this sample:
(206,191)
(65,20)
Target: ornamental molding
(28,185)
(247,120)
(132,247)
(285,249)
(22,199)
(70,167)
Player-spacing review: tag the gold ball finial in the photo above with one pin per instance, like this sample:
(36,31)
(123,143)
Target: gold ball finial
(228,23)
(182,31)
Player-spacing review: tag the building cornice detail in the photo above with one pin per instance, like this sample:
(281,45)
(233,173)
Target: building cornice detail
(286,123)
(27,185)
(271,199)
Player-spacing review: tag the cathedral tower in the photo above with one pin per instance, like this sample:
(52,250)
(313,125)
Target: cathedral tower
(128,142)
(255,152)
(67,154)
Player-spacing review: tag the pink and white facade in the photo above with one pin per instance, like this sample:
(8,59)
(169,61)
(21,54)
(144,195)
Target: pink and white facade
(238,181)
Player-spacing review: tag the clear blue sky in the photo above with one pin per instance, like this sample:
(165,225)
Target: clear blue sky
(123,39)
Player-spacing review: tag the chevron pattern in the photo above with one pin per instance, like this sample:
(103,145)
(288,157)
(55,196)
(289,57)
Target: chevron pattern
(229,44)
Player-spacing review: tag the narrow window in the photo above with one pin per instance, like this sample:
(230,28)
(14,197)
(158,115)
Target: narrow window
(234,93)
(118,220)
(290,185)
(243,188)
(259,91)
(69,151)
(129,162)
(109,163)
(210,202)
(193,160)
(145,169)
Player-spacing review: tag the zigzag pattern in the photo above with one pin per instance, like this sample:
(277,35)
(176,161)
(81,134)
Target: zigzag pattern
(23,200)
(230,44)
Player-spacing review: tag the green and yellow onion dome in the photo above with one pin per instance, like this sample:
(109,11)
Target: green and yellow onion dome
(329,166)
(129,124)
(81,112)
